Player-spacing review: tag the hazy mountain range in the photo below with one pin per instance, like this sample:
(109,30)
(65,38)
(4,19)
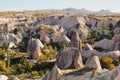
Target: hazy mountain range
(74,10)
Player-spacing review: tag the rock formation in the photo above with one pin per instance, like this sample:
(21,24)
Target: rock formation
(105,44)
(93,62)
(34,48)
(54,74)
(75,40)
(111,75)
(69,57)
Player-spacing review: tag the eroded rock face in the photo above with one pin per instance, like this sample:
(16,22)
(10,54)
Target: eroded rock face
(61,39)
(111,54)
(34,48)
(54,74)
(105,44)
(111,75)
(75,40)
(69,57)
(116,38)
(93,62)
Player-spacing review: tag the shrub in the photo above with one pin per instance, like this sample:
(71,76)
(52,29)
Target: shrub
(8,60)
(34,73)
(41,73)
(3,67)
(5,45)
(112,66)
(116,62)
(29,66)
(107,62)
(48,53)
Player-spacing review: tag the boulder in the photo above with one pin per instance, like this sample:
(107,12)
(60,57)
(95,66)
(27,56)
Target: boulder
(11,45)
(34,48)
(75,22)
(88,47)
(111,75)
(2,39)
(61,39)
(69,57)
(93,62)
(75,40)
(105,44)
(113,54)
(88,53)
(54,74)
(3,77)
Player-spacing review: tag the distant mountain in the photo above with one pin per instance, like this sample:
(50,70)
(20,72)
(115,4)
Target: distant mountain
(104,11)
(74,10)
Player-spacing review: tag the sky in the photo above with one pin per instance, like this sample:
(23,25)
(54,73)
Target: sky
(94,5)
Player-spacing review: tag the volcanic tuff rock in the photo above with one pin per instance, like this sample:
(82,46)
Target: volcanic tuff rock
(34,48)
(61,39)
(105,44)
(75,40)
(54,74)
(75,22)
(69,57)
(112,54)
(93,62)
(111,75)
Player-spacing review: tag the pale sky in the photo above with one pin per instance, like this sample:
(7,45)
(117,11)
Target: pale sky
(95,5)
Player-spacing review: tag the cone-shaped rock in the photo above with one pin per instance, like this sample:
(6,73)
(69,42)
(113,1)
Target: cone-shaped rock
(93,62)
(75,40)
(69,57)
(34,48)
(54,74)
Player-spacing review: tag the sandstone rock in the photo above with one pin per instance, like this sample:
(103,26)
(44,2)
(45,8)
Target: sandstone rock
(116,37)
(113,54)
(86,76)
(88,47)
(111,75)
(11,45)
(54,74)
(75,40)
(46,39)
(2,39)
(12,38)
(105,44)
(60,39)
(69,57)
(34,48)
(3,77)
(75,22)
(93,62)
(88,53)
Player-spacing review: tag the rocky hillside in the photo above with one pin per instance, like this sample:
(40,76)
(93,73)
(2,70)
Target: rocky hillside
(63,46)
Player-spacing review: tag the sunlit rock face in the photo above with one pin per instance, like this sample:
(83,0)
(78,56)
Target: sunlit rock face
(93,62)
(34,48)
(75,40)
(69,57)
(54,74)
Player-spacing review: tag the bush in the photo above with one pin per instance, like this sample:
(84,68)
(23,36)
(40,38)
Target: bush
(3,67)
(48,53)
(34,73)
(112,66)
(116,62)
(29,66)
(5,45)
(107,62)
(41,73)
